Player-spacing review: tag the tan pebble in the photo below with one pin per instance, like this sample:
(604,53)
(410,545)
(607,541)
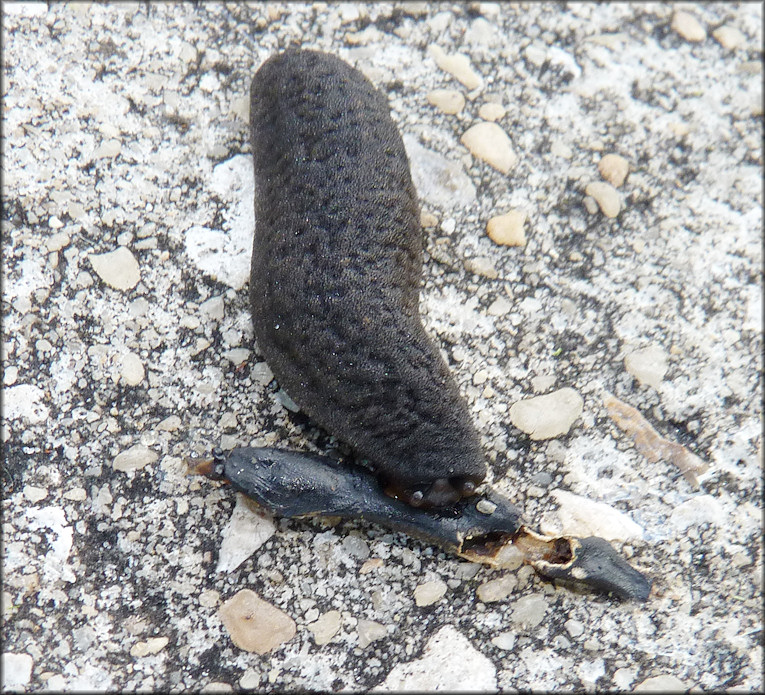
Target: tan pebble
(326,627)
(608,198)
(371,564)
(729,37)
(150,646)
(428,220)
(488,142)
(507,229)
(614,169)
(370,631)
(679,129)
(497,589)
(447,100)
(687,26)
(255,625)
(457,65)
(492,112)
(481,266)
(428,593)
(134,458)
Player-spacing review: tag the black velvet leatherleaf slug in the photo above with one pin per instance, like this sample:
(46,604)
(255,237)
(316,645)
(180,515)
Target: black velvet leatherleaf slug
(334,287)
(335,278)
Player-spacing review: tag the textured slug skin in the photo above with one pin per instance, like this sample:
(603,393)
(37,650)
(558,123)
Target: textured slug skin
(335,276)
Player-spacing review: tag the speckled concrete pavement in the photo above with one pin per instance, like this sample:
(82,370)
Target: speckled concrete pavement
(127,344)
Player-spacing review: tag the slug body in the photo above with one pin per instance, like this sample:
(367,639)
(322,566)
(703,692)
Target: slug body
(335,278)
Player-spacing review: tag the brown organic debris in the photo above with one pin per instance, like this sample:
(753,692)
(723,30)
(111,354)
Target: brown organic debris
(651,444)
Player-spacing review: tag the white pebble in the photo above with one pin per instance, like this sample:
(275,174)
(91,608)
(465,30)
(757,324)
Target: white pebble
(132,371)
(548,416)
(529,610)
(17,670)
(35,494)
(579,516)
(648,365)
(118,269)
(665,683)
(488,142)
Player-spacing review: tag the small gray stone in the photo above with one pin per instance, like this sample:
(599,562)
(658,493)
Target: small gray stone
(529,610)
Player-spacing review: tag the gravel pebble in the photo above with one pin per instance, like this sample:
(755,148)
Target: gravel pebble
(153,645)
(428,593)
(439,181)
(579,516)
(507,229)
(488,142)
(648,365)
(687,26)
(132,371)
(607,197)
(118,269)
(370,631)
(326,627)
(16,671)
(34,494)
(492,111)
(504,640)
(449,663)
(497,589)
(481,266)
(449,101)
(729,38)
(254,624)
(457,65)
(548,416)
(530,610)
(575,628)
(665,683)
(134,458)
(246,531)
(614,169)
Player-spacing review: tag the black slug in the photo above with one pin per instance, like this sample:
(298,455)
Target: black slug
(335,279)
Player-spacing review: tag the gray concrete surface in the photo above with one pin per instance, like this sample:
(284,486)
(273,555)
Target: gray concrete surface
(125,130)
